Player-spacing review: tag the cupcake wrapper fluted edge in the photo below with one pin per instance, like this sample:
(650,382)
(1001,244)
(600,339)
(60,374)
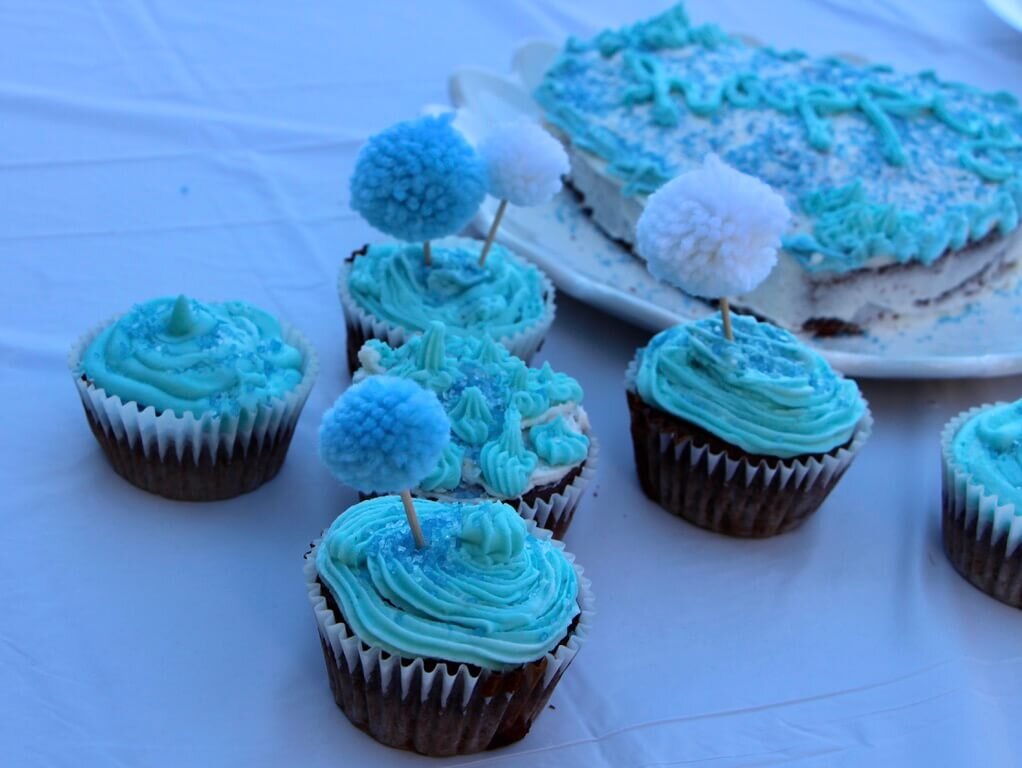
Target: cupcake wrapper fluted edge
(195,457)
(749,497)
(981,535)
(439,709)
(361,326)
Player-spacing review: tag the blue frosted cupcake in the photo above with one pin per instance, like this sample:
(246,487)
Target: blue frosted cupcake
(518,434)
(982,498)
(194,401)
(743,437)
(453,648)
(389,293)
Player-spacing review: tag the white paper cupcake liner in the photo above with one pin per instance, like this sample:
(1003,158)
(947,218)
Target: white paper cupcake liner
(744,496)
(439,708)
(363,326)
(181,456)
(981,533)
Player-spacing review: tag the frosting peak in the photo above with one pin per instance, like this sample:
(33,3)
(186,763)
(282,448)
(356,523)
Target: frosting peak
(765,392)
(484,592)
(489,537)
(181,321)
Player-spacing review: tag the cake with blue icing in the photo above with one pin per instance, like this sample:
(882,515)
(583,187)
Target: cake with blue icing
(905,189)
(194,400)
(453,648)
(982,498)
(745,437)
(518,434)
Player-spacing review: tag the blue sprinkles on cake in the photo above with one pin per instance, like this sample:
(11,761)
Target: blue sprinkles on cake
(904,173)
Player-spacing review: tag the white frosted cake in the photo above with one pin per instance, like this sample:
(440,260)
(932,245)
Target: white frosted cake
(905,189)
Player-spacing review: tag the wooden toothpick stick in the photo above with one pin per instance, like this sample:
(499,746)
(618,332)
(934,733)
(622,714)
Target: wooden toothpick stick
(725,313)
(493,232)
(413,519)
(427,252)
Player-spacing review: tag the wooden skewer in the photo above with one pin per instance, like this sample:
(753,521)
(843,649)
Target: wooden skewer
(427,252)
(493,232)
(413,519)
(725,313)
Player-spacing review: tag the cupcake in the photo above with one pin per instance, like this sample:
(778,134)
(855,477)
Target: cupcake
(738,427)
(420,181)
(389,293)
(450,649)
(982,498)
(518,434)
(745,437)
(194,401)
(444,625)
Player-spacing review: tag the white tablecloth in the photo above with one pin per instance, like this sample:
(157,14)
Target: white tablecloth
(151,147)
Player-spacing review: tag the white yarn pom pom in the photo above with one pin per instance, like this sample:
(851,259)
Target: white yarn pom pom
(524,163)
(713,232)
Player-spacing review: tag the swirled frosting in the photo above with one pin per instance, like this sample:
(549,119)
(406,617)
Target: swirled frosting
(515,427)
(484,591)
(765,392)
(184,355)
(989,448)
(501,299)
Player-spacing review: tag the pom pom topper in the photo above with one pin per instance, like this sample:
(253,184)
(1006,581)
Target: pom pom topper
(385,434)
(524,166)
(713,232)
(418,180)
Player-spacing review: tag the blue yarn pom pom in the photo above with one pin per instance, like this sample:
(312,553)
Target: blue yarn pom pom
(383,435)
(418,180)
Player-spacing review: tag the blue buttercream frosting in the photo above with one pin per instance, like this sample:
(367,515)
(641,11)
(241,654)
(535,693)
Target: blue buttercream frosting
(501,299)
(484,591)
(187,356)
(765,392)
(514,427)
(989,448)
(877,165)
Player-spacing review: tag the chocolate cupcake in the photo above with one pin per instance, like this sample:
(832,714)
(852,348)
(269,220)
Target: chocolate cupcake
(389,293)
(452,648)
(744,437)
(518,434)
(194,401)
(981,453)
(421,182)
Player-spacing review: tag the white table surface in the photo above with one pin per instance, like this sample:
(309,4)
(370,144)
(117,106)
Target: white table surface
(150,147)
